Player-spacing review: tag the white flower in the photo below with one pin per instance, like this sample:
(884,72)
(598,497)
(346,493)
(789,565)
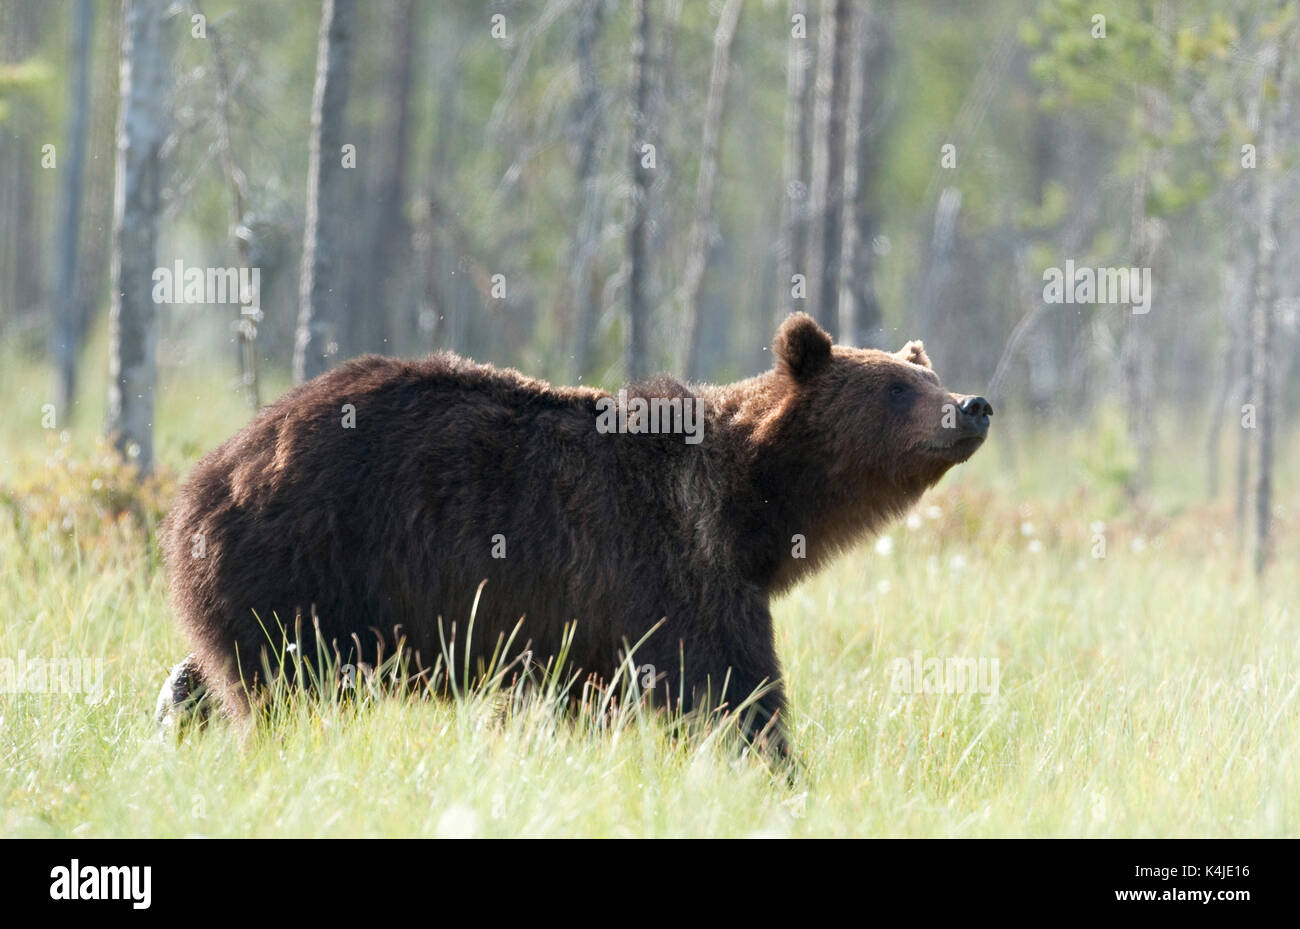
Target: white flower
(957,562)
(1035,546)
(458,822)
(913,521)
(1026,528)
(933,513)
(884,545)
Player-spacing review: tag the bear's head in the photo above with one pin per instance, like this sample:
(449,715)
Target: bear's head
(884,420)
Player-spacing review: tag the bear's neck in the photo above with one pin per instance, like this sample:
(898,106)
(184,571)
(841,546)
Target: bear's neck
(788,505)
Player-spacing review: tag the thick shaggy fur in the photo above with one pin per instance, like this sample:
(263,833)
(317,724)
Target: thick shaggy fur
(380,531)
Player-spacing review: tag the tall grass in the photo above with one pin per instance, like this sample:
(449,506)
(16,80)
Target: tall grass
(1148,691)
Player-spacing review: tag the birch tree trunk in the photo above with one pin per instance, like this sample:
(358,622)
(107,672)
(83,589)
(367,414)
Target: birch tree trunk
(701,234)
(1264,356)
(1137,355)
(95,252)
(586,240)
(22,251)
(792,255)
(319,280)
(237,187)
(1238,290)
(827,194)
(141,130)
(69,309)
(378,309)
(637,348)
(859,309)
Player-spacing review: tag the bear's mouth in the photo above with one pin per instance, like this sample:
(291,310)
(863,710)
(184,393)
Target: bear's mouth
(958,449)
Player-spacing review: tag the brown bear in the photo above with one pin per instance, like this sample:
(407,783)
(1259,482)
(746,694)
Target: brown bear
(367,507)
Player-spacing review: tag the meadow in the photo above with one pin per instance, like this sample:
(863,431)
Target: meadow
(1146,684)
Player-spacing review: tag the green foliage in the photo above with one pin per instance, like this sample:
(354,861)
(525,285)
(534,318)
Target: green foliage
(77,505)
(1108,456)
(1148,79)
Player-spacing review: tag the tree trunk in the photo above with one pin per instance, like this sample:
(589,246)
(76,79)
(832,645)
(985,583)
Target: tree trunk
(142,129)
(637,350)
(441,322)
(249,311)
(792,255)
(701,234)
(1138,357)
(1238,291)
(586,240)
(22,282)
(1265,310)
(377,309)
(664,75)
(860,320)
(827,194)
(318,283)
(70,311)
(939,269)
(96,236)
(1243,346)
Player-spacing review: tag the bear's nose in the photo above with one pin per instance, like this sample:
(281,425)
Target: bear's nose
(976,407)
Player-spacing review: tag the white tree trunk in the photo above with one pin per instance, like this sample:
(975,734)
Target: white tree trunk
(701,234)
(141,131)
(586,239)
(859,309)
(827,193)
(792,256)
(70,319)
(319,282)
(1264,356)
(637,350)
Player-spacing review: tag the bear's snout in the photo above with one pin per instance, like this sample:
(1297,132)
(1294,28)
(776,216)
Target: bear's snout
(960,435)
(975,412)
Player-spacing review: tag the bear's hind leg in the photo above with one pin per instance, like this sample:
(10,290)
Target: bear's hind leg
(183,700)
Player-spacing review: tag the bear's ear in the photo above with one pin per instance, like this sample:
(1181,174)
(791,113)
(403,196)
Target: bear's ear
(914,352)
(802,347)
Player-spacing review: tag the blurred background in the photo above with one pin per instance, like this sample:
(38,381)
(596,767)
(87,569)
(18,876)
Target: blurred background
(595,190)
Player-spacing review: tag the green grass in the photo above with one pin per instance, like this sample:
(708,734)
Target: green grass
(1151,692)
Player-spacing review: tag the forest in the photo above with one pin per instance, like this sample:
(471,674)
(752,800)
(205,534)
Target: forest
(1087,211)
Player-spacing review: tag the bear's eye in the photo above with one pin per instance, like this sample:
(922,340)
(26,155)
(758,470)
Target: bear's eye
(897,390)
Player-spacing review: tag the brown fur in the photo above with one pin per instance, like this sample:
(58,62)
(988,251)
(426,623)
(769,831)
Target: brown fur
(390,525)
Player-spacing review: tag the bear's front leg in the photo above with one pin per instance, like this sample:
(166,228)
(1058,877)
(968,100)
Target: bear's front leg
(762,722)
(727,662)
